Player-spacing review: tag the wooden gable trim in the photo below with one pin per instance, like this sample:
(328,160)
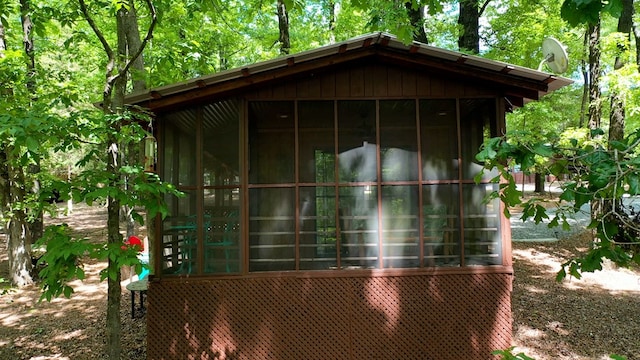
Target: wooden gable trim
(252,80)
(502,81)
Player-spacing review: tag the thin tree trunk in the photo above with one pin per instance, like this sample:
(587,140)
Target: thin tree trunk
(617,113)
(468,19)
(4,176)
(636,35)
(37,224)
(27,40)
(131,46)
(417,22)
(4,182)
(538,183)
(283,25)
(113,102)
(3,44)
(585,75)
(332,21)
(114,291)
(595,104)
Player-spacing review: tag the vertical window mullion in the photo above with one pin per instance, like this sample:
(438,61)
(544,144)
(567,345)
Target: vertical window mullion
(420,185)
(296,177)
(244,187)
(379,187)
(200,194)
(336,176)
(460,187)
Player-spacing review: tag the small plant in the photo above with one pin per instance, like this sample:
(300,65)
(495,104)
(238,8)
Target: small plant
(507,354)
(3,290)
(617,357)
(61,262)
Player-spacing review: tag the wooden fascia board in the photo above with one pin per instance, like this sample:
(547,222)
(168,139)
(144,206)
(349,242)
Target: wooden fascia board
(198,93)
(528,86)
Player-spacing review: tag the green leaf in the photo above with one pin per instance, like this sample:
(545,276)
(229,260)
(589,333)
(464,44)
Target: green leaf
(543,150)
(617,357)
(68,290)
(540,214)
(613,7)
(511,196)
(32,144)
(582,196)
(633,180)
(568,195)
(577,12)
(574,270)
(561,275)
(610,229)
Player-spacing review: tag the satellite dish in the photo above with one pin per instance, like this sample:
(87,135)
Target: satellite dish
(554,55)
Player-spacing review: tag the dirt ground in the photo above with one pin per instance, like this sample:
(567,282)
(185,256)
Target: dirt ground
(585,319)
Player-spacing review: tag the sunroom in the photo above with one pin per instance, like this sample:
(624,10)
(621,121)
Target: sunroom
(331,210)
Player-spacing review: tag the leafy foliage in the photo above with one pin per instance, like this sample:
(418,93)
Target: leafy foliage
(577,12)
(604,176)
(508,354)
(61,261)
(144,190)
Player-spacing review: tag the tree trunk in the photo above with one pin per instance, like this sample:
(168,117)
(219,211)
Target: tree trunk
(130,47)
(112,103)
(539,183)
(331,5)
(617,114)
(133,43)
(585,76)
(3,44)
(37,224)
(19,244)
(27,40)
(5,195)
(4,176)
(468,19)
(636,35)
(416,18)
(283,25)
(595,105)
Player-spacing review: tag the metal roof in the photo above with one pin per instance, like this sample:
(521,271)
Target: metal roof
(546,82)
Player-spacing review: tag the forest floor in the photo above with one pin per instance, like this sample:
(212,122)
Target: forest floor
(576,319)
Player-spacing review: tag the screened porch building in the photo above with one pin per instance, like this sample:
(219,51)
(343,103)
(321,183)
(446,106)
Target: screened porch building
(331,210)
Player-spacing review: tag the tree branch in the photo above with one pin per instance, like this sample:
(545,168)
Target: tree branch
(96,30)
(483,7)
(145,41)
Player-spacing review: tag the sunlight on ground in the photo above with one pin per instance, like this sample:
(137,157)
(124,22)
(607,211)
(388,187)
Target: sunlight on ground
(614,280)
(548,262)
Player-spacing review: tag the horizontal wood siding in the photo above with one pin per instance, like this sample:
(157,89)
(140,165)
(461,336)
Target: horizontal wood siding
(370,81)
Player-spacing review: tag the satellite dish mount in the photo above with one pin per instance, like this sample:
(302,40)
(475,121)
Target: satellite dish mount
(555,56)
